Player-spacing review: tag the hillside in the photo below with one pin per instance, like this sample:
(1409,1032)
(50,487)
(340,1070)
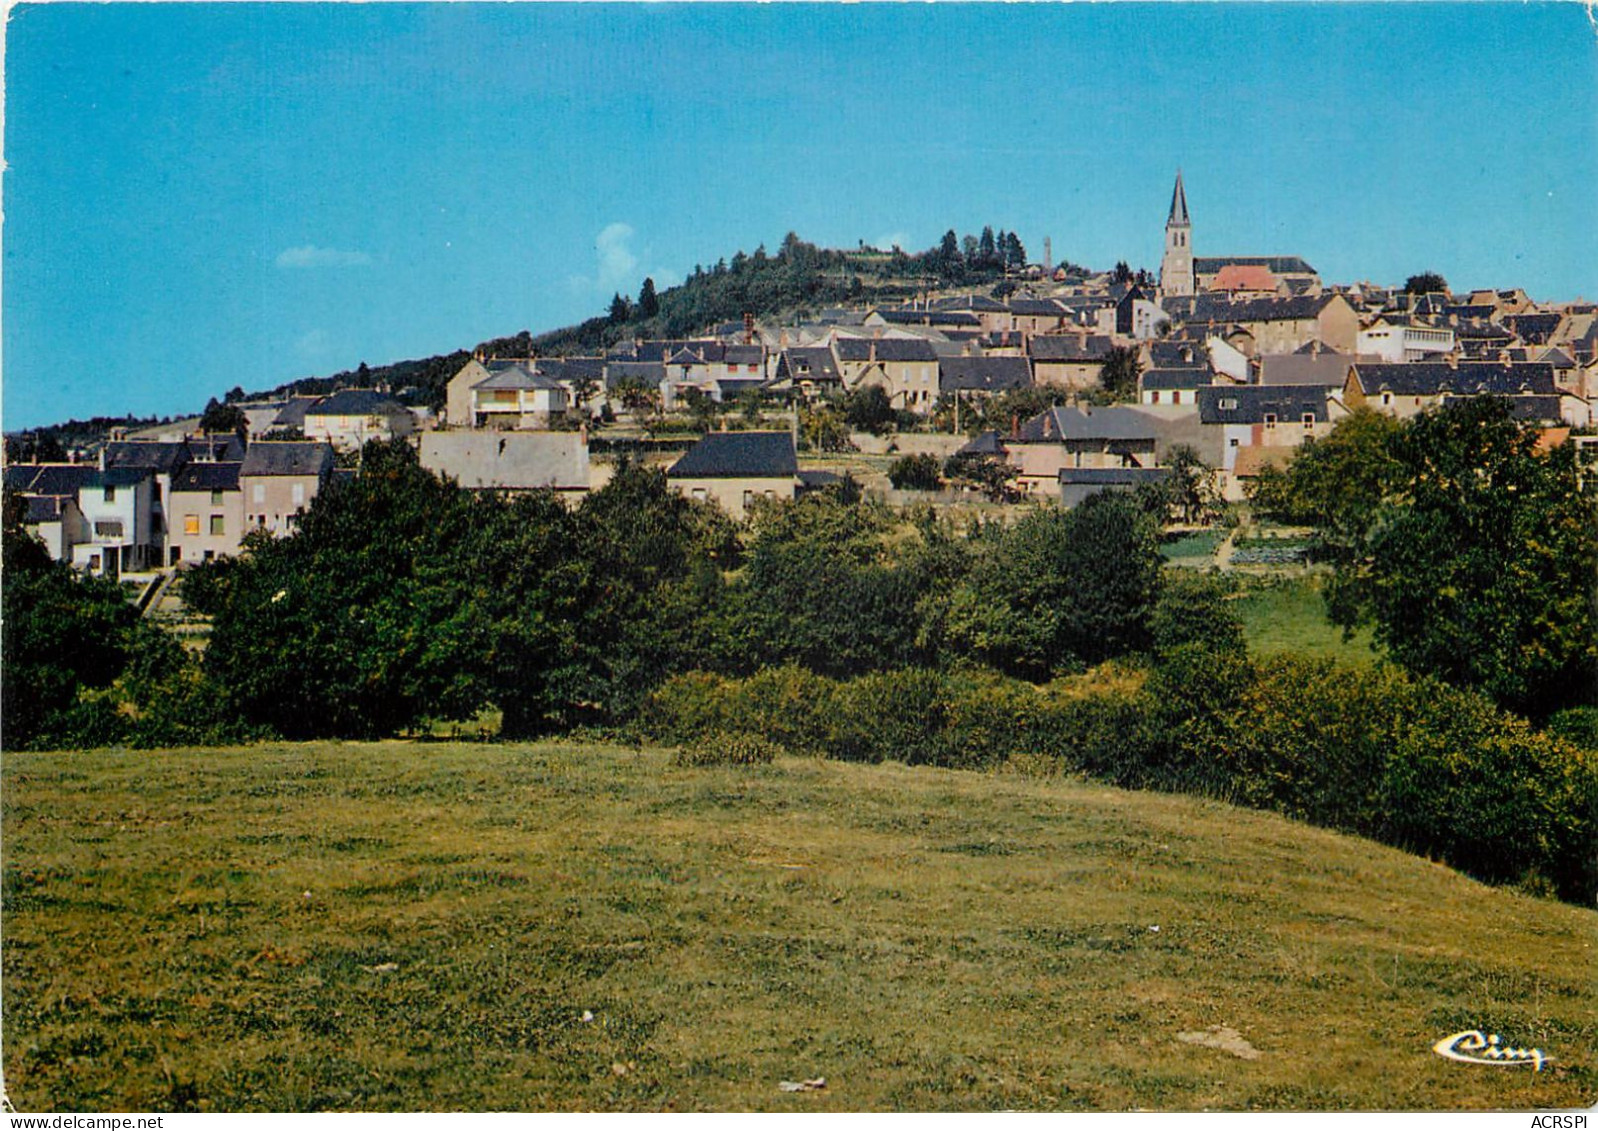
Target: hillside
(436,926)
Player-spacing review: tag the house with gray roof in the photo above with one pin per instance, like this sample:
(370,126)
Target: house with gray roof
(349,418)
(1080,483)
(1063,436)
(207,512)
(905,368)
(1274,417)
(736,469)
(982,375)
(279,478)
(497,393)
(1069,361)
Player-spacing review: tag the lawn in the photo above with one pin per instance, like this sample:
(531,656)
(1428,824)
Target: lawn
(471,926)
(1286,613)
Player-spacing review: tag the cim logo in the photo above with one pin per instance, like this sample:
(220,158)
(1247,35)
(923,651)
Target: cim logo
(1474,1047)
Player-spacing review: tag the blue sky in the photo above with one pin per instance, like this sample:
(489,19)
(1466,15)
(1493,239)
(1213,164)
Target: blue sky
(200,196)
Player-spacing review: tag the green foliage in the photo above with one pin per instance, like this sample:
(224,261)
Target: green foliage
(82,669)
(1476,566)
(868,409)
(723,749)
(915,473)
(1404,760)
(1059,589)
(1120,371)
(1192,609)
(1428,282)
(224,418)
(994,476)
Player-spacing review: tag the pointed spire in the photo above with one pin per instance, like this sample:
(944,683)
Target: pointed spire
(1178,203)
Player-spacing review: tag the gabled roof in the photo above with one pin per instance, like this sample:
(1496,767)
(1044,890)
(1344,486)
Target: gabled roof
(1533,329)
(1277,264)
(68,479)
(508,460)
(885,349)
(649,372)
(985,444)
(360,402)
(207,477)
(973,302)
(1244,277)
(1326,368)
(1069,347)
(1469,378)
(572,368)
(1222,308)
(1250,404)
(738,455)
(984,374)
(1193,377)
(287,457)
(515,377)
(744,355)
(1037,308)
(1177,354)
(1092,424)
(293,413)
(917,317)
(153,455)
(807,363)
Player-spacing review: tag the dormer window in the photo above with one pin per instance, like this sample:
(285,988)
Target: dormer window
(1309,421)
(1228,404)
(1270,420)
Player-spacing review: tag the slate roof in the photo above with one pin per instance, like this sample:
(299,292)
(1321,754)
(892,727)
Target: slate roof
(1177,354)
(508,461)
(287,457)
(153,455)
(886,349)
(69,478)
(1178,203)
(1091,424)
(738,455)
(985,444)
(1249,404)
(744,355)
(983,374)
(1533,329)
(293,413)
(360,402)
(1037,308)
(970,302)
(1471,312)
(1326,368)
(1219,308)
(225,448)
(207,477)
(649,372)
(573,368)
(822,366)
(1277,264)
(1470,378)
(516,377)
(1193,377)
(1069,347)
(928,317)
(1538,409)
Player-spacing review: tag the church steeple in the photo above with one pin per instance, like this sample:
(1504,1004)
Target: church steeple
(1176,269)
(1178,203)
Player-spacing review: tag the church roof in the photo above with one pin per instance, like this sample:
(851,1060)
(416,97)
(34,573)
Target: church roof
(1178,203)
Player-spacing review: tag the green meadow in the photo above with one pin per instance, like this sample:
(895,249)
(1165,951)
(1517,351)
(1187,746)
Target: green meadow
(557,926)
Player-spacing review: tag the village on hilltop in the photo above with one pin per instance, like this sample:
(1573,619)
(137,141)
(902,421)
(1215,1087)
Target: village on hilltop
(1235,358)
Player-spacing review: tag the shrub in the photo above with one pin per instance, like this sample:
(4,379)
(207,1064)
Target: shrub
(915,473)
(723,748)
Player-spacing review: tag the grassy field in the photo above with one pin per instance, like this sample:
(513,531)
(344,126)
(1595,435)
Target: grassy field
(467,926)
(1285,613)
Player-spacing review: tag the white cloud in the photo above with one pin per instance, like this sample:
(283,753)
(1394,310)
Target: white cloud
(311,256)
(313,345)
(618,266)
(891,241)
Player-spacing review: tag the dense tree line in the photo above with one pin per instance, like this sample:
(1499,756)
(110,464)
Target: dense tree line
(1467,548)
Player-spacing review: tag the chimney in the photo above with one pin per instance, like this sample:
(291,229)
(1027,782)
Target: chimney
(749,328)
(1015,425)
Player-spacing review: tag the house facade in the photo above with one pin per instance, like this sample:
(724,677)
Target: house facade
(207,512)
(735,469)
(279,478)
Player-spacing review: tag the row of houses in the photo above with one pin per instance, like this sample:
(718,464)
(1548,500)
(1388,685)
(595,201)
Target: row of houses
(149,505)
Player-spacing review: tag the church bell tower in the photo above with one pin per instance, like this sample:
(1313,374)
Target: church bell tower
(1176,269)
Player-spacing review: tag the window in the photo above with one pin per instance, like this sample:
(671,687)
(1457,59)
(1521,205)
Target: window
(1228,404)
(1387,398)
(1309,421)
(259,495)
(191,524)
(299,494)
(1176,397)
(216,498)
(754,368)
(1270,420)
(749,497)
(1155,397)
(110,494)
(1234,441)
(700,493)
(108,528)
(218,525)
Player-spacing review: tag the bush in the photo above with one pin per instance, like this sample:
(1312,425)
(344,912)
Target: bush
(728,749)
(915,473)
